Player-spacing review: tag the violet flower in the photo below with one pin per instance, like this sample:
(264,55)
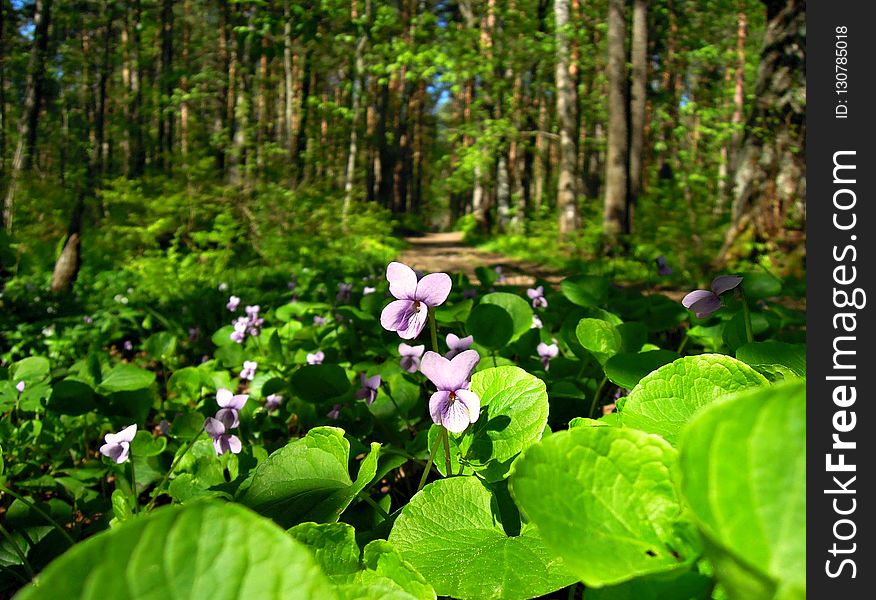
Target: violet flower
(536,323)
(407,314)
(249,369)
(334,413)
(230,406)
(194,334)
(705,302)
(272,402)
(223,287)
(410,356)
(20,386)
(547,352)
(537,297)
(662,267)
(501,278)
(455,344)
(368,290)
(88,319)
(233,303)
(454,405)
(318,321)
(118,445)
(222,440)
(368,391)
(128,346)
(344,290)
(316,358)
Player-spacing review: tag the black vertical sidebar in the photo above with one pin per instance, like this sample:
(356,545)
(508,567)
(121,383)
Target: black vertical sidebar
(841,350)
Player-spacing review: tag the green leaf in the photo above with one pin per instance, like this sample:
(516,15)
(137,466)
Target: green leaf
(514,412)
(586,290)
(758,354)
(144,445)
(308,479)
(204,550)
(318,383)
(761,285)
(126,378)
(662,586)
(599,337)
(71,397)
(333,545)
(666,399)
(449,532)
(603,499)
(185,384)
(160,345)
(626,370)
(518,308)
(30,370)
(743,474)
(491,326)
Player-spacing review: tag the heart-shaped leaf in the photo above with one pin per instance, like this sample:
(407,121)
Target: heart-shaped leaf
(126,378)
(519,310)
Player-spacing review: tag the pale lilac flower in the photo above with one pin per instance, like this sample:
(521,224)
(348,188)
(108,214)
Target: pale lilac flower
(546,352)
(118,445)
(705,302)
(241,324)
(163,426)
(194,334)
(662,267)
(230,406)
(223,287)
(20,386)
(273,401)
(537,297)
(128,346)
(222,440)
(456,344)
(344,290)
(454,405)
(368,290)
(410,356)
(316,358)
(88,319)
(368,391)
(536,323)
(501,278)
(334,413)
(319,321)
(249,369)
(233,303)
(407,314)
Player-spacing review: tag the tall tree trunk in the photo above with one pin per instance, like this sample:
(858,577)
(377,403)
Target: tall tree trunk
(135,121)
(2,90)
(355,100)
(638,87)
(567,206)
(165,86)
(770,178)
(288,81)
(184,80)
(33,95)
(615,217)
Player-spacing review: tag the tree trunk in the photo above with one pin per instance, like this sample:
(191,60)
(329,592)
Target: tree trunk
(184,81)
(615,217)
(355,100)
(567,207)
(770,178)
(27,126)
(639,59)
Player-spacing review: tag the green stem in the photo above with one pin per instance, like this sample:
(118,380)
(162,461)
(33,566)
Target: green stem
(18,551)
(399,411)
(157,491)
(39,511)
(746,315)
(683,343)
(433,330)
(429,464)
(370,501)
(446,439)
(495,364)
(596,396)
(134,487)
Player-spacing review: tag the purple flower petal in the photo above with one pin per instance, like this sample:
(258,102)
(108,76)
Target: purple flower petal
(234,444)
(547,350)
(406,317)
(402,281)
(372,382)
(702,302)
(214,427)
(410,363)
(725,283)
(451,411)
(449,375)
(434,288)
(229,417)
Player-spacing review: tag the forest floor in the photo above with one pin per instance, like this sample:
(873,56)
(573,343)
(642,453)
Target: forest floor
(448,252)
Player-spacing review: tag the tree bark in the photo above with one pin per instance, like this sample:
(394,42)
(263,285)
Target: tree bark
(616,217)
(638,89)
(567,207)
(27,126)
(355,101)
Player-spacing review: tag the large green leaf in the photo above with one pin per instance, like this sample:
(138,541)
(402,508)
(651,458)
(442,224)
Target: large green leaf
(491,325)
(626,369)
(318,383)
(377,573)
(688,585)
(513,417)
(30,370)
(666,399)
(743,468)
(604,500)
(71,397)
(586,290)
(204,550)
(126,378)
(768,354)
(518,308)
(599,337)
(308,479)
(450,533)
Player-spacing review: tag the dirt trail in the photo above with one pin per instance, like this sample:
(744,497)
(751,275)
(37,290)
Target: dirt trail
(447,252)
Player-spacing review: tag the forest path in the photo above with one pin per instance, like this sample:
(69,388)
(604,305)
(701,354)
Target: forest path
(447,252)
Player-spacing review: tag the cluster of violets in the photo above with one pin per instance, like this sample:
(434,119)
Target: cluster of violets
(705,302)
(226,419)
(248,324)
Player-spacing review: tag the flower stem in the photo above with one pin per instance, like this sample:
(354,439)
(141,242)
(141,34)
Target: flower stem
(40,512)
(446,439)
(429,464)
(746,315)
(433,330)
(596,396)
(157,491)
(134,487)
(370,501)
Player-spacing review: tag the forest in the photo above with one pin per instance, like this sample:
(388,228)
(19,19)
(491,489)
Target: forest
(529,268)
